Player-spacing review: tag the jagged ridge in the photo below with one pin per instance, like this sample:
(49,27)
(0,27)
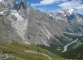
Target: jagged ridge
(35,27)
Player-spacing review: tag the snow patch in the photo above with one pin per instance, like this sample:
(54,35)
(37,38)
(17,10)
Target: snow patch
(65,15)
(1,13)
(50,15)
(70,11)
(60,11)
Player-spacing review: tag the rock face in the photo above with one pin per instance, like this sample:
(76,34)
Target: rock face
(20,23)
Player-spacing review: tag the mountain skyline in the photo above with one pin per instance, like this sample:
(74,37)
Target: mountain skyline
(37,27)
(53,5)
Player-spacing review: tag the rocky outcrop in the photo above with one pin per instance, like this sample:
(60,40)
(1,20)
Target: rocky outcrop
(21,23)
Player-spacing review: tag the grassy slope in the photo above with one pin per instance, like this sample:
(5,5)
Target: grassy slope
(16,52)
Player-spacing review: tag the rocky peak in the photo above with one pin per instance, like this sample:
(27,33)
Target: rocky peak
(22,5)
(60,11)
(22,8)
(22,0)
(71,11)
(9,3)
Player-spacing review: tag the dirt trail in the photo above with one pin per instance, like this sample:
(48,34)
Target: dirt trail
(39,53)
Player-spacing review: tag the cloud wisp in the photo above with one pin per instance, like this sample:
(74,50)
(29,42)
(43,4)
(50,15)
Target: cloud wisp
(46,2)
(72,4)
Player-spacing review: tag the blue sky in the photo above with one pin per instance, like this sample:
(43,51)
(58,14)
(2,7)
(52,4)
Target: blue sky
(53,5)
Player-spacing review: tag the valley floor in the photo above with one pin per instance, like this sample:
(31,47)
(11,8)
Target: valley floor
(65,47)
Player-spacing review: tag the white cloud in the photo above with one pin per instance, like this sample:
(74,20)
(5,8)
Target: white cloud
(80,7)
(35,4)
(46,2)
(77,5)
(72,4)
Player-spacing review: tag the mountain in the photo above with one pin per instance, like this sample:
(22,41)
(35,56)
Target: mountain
(23,24)
(9,3)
